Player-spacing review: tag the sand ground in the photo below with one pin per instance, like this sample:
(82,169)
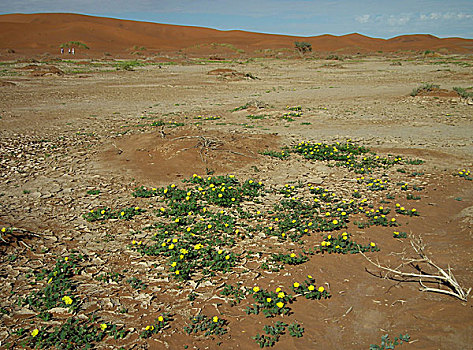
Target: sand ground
(62,135)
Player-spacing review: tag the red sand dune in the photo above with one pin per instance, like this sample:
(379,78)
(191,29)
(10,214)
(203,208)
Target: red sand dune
(40,33)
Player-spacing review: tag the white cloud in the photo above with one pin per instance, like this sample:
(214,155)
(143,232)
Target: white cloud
(447,16)
(363,18)
(399,20)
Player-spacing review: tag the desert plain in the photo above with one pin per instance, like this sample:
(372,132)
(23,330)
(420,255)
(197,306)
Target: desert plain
(110,165)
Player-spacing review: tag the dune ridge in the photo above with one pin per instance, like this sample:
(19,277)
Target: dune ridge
(45,32)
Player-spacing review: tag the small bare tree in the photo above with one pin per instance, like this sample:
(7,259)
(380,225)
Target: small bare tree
(443,278)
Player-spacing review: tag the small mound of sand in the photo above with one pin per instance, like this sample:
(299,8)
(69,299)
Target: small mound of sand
(7,83)
(231,74)
(39,71)
(150,157)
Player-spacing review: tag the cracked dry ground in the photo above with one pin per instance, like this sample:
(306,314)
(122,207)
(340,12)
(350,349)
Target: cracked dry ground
(72,144)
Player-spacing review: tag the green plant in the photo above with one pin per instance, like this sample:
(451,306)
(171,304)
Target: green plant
(273,334)
(464,93)
(284,154)
(295,330)
(93,192)
(342,244)
(210,326)
(104,213)
(270,303)
(424,88)
(162,322)
(136,283)
(465,174)
(235,292)
(58,289)
(309,290)
(397,234)
(386,343)
(128,65)
(74,334)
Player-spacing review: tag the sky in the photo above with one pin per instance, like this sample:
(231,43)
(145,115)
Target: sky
(375,18)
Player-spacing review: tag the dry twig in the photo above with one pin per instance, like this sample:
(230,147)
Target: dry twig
(442,277)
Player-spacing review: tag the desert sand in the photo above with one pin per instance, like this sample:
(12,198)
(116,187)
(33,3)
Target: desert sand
(44,33)
(79,136)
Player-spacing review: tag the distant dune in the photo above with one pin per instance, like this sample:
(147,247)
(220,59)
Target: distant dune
(41,33)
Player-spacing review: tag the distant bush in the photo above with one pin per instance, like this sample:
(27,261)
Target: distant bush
(74,44)
(424,88)
(128,65)
(303,47)
(463,92)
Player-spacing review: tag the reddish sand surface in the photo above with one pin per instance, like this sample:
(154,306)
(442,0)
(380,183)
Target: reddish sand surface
(41,33)
(78,136)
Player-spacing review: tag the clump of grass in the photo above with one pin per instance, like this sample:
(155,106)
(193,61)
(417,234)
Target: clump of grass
(424,88)
(463,92)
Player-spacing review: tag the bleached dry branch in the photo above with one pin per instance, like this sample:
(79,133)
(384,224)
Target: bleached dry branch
(442,277)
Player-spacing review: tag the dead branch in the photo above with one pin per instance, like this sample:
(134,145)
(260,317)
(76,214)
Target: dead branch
(443,277)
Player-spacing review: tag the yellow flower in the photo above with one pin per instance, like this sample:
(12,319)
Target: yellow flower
(133,242)
(173,264)
(67,300)
(103,326)
(280,305)
(311,287)
(278,290)
(256,289)
(220,252)
(198,246)
(293,255)
(296,285)
(321,289)
(102,212)
(227,257)
(281,295)
(393,219)
(50,280)
(35,332)
(309,276)
(171,246)
(177,272)
(174,240)
(137,208)
(66,258)
(4,229)
(269,300)
(372,244)
(160,318)
(215,319)
(122,213)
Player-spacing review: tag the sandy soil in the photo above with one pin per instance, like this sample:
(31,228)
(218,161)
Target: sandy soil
(96,127)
